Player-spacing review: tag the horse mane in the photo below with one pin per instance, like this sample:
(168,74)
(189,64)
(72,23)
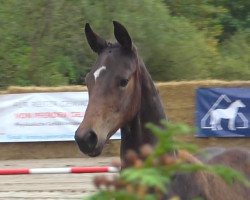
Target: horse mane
(117,45)
(135,134)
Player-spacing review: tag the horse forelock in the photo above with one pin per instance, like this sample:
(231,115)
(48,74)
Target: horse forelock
(114,45)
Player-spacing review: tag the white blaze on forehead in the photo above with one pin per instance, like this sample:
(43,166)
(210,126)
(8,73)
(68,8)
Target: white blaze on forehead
(98,71)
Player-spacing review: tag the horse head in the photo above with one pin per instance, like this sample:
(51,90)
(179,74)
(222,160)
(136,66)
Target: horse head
(114,89)
(239,104)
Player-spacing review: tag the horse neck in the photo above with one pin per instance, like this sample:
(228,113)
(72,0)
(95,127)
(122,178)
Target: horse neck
(151,106)
(134,134)
(233,108)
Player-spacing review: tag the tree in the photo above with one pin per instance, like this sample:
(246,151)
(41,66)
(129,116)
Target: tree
(235,19)
(43,42)
(203,14)
(171,46)
(235,59)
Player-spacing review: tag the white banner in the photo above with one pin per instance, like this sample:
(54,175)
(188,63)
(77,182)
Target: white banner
(31,117)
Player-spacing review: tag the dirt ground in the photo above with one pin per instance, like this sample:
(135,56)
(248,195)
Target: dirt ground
(49,186)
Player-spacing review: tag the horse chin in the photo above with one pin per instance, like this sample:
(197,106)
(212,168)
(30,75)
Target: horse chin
(97,151)
(94,154)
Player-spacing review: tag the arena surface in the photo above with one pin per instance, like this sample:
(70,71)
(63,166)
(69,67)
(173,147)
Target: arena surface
(49,186)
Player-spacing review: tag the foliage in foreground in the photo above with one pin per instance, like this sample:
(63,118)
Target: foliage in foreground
(150,171)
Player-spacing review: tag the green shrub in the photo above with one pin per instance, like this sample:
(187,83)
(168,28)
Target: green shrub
(150,172)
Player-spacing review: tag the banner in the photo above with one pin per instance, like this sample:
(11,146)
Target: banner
(30,117)
(223,112)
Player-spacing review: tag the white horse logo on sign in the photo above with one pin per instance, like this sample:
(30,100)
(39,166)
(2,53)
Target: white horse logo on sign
(229,113)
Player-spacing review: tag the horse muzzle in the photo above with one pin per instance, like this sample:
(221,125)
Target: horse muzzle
(88,143)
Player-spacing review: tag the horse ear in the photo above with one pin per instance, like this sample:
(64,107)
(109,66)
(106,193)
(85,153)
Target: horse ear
(96,43)
(122,36)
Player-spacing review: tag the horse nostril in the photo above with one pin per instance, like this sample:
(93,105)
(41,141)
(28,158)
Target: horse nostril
(88,142)
(91,139)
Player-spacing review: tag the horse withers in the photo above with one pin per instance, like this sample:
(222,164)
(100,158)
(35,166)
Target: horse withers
(121,95)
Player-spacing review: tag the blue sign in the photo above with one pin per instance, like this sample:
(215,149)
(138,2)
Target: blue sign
(223,112)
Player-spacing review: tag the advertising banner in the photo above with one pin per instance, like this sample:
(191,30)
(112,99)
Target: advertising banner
(30,117)
(223,112)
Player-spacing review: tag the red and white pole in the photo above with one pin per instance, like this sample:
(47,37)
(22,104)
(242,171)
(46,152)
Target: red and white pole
(62,170)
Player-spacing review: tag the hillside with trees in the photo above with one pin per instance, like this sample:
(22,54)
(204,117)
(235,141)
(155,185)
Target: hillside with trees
(43,41)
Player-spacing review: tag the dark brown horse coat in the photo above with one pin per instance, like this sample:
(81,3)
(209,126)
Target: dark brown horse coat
(122,95)
(211,187)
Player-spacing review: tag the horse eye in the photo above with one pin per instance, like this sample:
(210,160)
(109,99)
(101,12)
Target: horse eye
(123,82)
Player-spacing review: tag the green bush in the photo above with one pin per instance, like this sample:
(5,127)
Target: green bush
(178,40)
(235,57)
(150,172)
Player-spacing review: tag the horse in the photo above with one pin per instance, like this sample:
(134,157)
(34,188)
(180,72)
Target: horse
(122,95)
(229,113)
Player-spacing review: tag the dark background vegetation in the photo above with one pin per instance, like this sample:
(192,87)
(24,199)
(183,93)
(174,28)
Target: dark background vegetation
(42,42)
